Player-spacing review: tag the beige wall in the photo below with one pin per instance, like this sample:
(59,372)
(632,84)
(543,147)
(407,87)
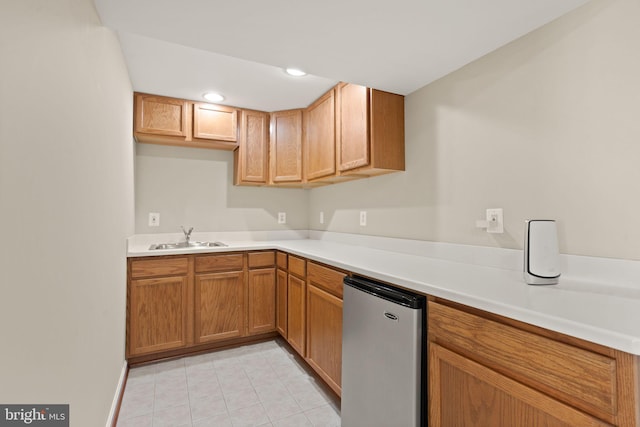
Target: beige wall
(66,197)
(545,127)
(194,187)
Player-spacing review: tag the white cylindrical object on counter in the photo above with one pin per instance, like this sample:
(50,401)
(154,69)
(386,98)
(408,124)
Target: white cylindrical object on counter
(541,252)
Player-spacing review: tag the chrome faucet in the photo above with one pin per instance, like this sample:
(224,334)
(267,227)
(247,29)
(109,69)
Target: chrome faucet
(187,234)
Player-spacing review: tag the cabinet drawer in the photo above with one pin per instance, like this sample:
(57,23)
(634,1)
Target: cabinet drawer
(281,259)
(580,377)
(159,267)
(297,266)
(326,278)
(262,259)
(219,263)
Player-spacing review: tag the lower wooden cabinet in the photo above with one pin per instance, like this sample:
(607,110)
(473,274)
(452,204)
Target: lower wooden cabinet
(466,393)
(296,289)
(159,313)
(261,309)
(324,336)
(219,297)
(309,314)
(296,293)
(181,303)
(324,323)
(262,300)
(281,305)
(219,306)
(159,305)
(486,370)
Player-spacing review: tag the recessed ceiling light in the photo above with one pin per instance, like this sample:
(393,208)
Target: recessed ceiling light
(213,97)
(295,72)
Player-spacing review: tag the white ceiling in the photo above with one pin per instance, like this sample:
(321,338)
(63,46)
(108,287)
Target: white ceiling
(239,47)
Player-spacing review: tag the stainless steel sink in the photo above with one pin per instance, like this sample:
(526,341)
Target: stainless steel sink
(185,245)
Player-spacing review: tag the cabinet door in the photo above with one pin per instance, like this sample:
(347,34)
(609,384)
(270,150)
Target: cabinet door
(158,314)
(324,335)
(281,307)
(296,314)
(262,300)
(320,138)
(353,136)
(386,127)
(253,148)
(465,393)
(219,306)
(159,115)
(215,122)
(286,146)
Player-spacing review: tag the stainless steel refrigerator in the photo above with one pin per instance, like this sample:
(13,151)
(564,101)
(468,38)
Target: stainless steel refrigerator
(383,356)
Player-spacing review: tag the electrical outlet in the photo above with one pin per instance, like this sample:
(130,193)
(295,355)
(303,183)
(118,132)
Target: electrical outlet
(495,219)
(154,219)
(363,218)
(282,217)
(321,217)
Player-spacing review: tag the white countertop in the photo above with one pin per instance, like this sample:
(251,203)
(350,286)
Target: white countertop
(590,308)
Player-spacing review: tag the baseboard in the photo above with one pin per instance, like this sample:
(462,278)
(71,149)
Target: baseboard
(117,399)
(135,361)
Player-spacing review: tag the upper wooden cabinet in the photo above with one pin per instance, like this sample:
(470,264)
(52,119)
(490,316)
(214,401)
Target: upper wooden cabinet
(353,129)
(158,115)
(349,132)
(286,147)
(320,137)
(171,121)
(370,131)
(252,155)
(215,122)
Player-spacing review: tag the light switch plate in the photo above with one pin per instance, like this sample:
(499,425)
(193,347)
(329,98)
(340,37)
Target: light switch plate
(363,218)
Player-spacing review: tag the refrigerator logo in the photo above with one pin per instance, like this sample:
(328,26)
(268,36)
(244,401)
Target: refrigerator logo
(34,415)
(391,316)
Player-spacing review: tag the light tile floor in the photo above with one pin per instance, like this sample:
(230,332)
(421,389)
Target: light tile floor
(255,385)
